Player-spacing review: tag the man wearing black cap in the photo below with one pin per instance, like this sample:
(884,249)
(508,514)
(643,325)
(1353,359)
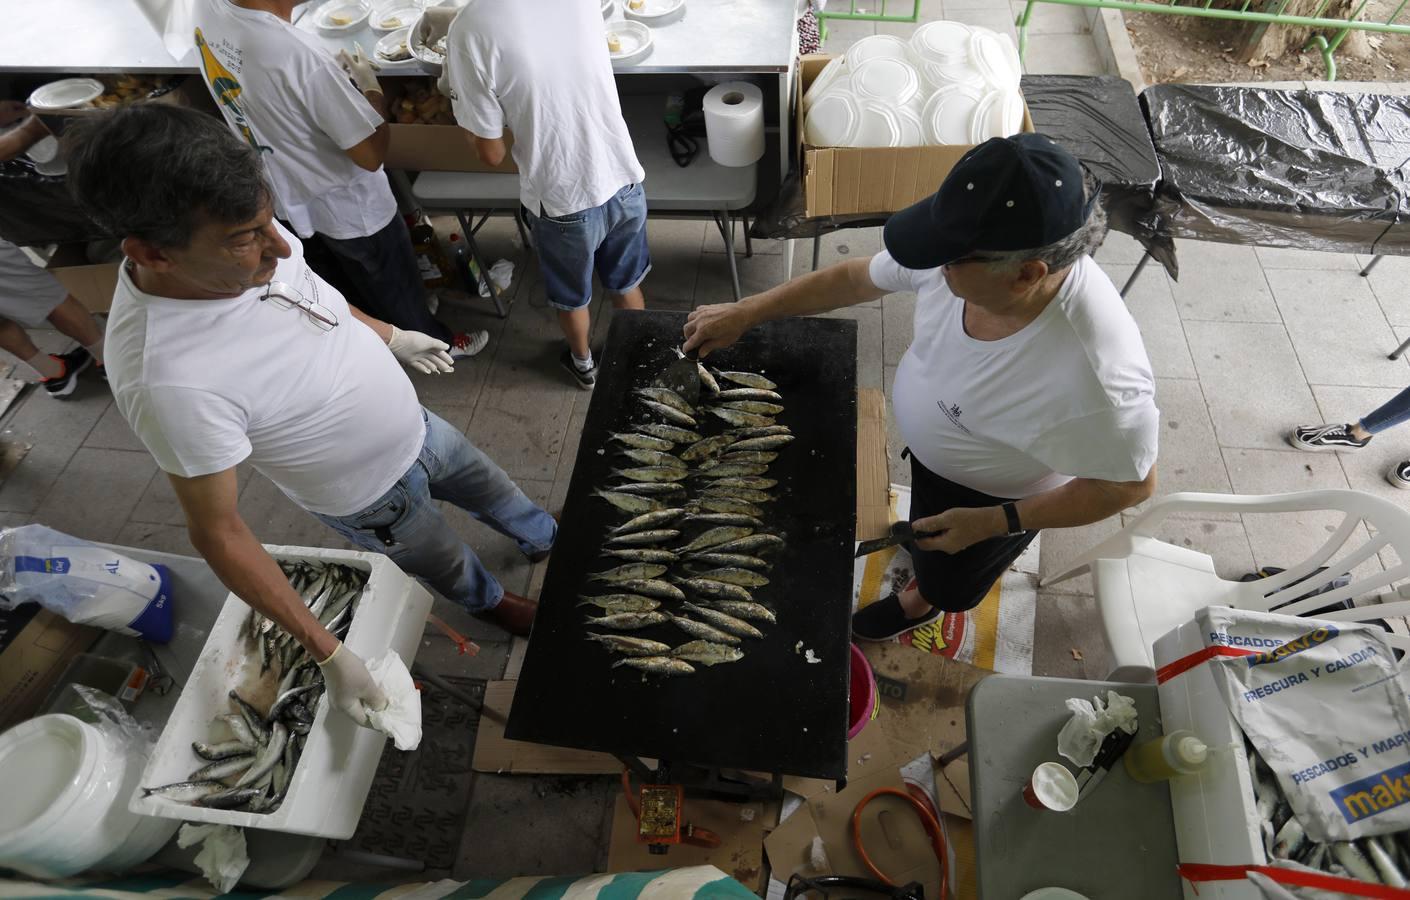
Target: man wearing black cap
(1026,397)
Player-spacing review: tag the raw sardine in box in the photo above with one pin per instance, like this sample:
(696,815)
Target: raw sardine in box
(332,777)
(1216,819)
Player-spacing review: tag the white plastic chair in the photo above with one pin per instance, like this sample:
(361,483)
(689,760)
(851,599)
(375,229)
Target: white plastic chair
(1145,587)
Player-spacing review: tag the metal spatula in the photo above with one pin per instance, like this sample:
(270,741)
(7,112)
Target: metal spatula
(682,375)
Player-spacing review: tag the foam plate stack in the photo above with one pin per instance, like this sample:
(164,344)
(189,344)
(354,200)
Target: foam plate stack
(950,84)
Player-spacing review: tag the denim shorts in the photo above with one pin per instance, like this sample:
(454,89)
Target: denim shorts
(609,239)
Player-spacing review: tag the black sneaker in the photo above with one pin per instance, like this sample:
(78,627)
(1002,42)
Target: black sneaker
(883,620)
(74,361)
(585,378)
(1399,475)
(1321,438)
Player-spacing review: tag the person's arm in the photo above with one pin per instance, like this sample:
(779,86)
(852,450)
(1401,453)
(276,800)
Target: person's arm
(419,351)
(848,283)
(491,150)
(238,559)
(370,152)
(14,143)
(379,328)
(1081,501)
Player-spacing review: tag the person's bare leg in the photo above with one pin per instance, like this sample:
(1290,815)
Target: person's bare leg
(1361,434)
(73,319)
(632,299)
(576,327)
(15,339)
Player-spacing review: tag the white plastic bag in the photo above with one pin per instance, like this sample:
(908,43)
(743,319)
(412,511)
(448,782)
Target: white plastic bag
(83,582)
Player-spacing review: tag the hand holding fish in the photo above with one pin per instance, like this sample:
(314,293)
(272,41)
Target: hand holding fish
(714,327)
(956,529)
(350,686)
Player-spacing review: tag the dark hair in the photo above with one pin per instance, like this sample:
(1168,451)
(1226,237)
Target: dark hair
(155,171)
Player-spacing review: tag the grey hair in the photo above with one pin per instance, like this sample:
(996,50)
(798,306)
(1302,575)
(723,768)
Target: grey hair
(1064,253)
(157,172)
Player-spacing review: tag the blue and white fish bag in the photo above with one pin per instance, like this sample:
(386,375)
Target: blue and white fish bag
(1324,704)
(85,583)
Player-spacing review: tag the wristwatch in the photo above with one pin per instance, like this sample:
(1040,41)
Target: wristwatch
(1011,516)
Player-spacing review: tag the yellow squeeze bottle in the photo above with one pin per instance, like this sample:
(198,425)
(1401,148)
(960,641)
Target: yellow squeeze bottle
(1178,753)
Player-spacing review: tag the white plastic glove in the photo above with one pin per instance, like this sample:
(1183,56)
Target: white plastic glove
(350,687)
(421,352)
(362,70)
(435,23)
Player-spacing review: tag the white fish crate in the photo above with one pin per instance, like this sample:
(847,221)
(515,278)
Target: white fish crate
(339,759)
(1216,817)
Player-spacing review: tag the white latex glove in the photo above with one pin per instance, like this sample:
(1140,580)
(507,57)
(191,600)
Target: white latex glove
(435,23)
(362,70)
(350,687)
(421,352)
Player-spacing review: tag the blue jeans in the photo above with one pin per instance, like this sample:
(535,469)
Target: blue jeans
(609,239)
(1393,412)
(406,525)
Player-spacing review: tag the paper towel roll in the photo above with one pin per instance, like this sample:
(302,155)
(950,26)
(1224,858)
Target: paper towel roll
(734,123)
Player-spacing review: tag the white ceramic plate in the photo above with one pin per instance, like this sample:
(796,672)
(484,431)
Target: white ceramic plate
(341,15)
(392,42)
(654,12)
(391,17)
(66,93)
(633,42)
(948,114)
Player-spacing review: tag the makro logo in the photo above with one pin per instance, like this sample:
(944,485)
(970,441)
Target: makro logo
(1295,646)
(1374,794)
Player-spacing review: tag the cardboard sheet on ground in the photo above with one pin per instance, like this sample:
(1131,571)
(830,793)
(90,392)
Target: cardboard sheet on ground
(495,753)
(995,635)
(740,854)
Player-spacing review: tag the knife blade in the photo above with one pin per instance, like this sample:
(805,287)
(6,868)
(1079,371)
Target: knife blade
(898,533)
(1111,750)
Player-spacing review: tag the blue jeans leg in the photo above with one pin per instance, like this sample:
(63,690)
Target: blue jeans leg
(462,474)
(1393,412)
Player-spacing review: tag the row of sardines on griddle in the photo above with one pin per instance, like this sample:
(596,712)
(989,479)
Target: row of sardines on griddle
(249,761)
(693,555)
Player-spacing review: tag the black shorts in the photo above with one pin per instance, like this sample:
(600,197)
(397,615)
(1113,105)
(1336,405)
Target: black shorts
(956,582)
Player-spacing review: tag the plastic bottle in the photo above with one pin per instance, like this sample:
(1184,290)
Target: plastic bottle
(469,272)
(1178,753)
(430,260)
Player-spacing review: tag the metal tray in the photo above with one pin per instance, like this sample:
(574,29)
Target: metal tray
(772,711)
(656,12)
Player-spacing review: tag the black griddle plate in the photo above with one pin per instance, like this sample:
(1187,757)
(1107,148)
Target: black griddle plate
(772,711)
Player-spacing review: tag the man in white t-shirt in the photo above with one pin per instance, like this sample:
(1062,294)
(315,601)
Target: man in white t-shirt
(323,140)
(542,69)
(224,347)
(1026,398)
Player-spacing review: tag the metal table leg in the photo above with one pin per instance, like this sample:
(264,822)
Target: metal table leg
(748,243)
(724,221)
(1136,273)
(817,245)
(524,234)
(474,250)
(1400,351)
(1371,265)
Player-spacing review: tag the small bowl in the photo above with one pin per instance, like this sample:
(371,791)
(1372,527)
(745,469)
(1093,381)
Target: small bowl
(433,60)
(341,16)
(390,41)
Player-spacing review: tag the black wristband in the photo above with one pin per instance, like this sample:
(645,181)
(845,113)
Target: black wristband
(1011,514)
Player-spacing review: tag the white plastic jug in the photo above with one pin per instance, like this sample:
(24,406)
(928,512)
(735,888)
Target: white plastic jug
(66,786)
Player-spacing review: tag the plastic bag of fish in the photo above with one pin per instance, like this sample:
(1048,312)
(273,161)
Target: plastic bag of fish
(249,760)
(695,548)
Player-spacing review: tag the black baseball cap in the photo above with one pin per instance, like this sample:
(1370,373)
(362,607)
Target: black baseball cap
(1011,193)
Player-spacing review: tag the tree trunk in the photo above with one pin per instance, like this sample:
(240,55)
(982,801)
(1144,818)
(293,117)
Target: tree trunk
(1268,42)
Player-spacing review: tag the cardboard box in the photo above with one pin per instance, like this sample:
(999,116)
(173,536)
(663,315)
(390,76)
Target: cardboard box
(92,284)
(873,466)
(434,148)
(35,647)
(840,181)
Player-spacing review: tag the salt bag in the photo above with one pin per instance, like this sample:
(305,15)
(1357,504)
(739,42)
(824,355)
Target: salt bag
(85,583)
(1324,704)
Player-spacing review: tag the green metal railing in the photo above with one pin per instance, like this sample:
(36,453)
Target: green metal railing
(1328,48)
(866,11)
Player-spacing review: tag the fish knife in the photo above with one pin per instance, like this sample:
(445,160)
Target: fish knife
(898,533)
(682,375)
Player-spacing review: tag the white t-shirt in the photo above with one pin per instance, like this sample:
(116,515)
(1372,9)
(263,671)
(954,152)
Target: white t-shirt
(542,69)
(329,417)
(1069,395)
(281,91)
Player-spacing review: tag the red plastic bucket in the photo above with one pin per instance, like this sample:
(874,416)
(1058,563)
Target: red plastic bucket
(863,700)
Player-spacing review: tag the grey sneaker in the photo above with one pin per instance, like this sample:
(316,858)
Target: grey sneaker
(1399,475)
(1321,438)
(584,378)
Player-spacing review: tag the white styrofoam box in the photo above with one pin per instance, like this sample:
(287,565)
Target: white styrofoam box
(332,778)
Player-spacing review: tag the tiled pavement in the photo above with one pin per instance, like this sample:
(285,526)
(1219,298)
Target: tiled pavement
(1248,343)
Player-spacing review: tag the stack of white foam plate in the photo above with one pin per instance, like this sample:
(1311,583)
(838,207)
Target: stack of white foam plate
(950,84)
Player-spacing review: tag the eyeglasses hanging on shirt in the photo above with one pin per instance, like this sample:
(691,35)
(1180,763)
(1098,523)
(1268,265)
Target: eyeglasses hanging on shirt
(286,296)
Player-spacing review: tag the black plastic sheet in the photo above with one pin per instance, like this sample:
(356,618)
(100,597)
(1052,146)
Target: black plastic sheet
(1311,170)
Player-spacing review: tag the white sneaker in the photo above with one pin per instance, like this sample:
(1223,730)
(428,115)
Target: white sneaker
(1399,475)
(467,344)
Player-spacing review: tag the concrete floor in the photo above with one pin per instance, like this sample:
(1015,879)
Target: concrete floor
(1241,347)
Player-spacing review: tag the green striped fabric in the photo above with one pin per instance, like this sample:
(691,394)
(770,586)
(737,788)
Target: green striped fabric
(692,883)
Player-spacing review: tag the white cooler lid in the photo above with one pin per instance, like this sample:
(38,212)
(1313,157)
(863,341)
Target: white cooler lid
(877,46)
(830,73)
(941,41)
(888,80)
(941,75)
(912,131)
(991,59)
(949,115)
(833,120)
(878,126)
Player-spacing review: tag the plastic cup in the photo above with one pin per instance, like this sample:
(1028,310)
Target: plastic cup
(1051,787)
